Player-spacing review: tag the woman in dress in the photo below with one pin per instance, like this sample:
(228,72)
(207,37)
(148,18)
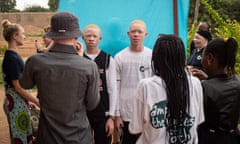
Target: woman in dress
(16,100)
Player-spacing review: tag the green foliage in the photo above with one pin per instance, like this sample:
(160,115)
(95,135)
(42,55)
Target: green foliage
(191,34)
(3,49)
(14,10)
(227,9)
(53,5)
(226,28)
(36,8)
(7,5)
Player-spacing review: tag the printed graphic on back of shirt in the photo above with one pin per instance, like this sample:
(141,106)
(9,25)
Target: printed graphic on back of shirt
(158,120)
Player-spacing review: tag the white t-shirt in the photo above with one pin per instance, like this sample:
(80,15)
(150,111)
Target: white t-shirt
(150,107)
(131,67)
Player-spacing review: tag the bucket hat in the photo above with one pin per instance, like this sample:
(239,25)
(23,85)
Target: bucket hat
(64,25)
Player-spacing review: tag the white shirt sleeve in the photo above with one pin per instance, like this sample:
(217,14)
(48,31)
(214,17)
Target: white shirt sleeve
(137,118)
(201,102)
(118,80)
(112,87)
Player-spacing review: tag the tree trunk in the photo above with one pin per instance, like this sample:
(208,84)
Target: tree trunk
(196,12)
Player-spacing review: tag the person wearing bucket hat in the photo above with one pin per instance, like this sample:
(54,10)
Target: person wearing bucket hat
(201,39)
(67,85)
(64,25)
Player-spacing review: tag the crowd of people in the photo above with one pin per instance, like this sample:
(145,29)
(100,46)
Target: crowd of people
(140,96)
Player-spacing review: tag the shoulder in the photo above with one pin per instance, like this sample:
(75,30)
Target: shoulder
(147,49)
(151,81)
(105,53)
(11,55)
(122,52)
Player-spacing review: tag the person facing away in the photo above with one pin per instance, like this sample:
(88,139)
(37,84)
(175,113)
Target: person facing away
(221,93)
(67,85)
(102,117)
(16,98)
(202,26)
(167,107)
(201,40)
(132,64)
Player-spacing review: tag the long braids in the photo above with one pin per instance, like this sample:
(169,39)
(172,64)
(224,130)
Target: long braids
(169,63)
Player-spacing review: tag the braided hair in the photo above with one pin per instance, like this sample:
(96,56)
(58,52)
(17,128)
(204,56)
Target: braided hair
(168,62)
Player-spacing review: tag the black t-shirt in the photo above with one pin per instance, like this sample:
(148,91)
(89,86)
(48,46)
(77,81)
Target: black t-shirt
(195,59)
(12,67)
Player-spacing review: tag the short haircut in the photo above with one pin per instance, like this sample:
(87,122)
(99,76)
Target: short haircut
(137,21)
(92,26)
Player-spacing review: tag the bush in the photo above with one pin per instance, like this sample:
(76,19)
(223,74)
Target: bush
(226,28)
(3,49)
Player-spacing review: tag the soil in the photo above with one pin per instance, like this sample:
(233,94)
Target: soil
(4,130)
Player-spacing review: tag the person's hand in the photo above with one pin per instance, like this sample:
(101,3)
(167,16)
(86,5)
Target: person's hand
(119,123)
(109,126)
(31,104)
(189,68)
(79,48)
(38,45)
(199,73)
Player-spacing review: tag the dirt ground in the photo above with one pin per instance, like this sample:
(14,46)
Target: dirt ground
(4,131)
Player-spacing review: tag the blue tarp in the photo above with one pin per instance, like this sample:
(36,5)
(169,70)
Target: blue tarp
(114,17)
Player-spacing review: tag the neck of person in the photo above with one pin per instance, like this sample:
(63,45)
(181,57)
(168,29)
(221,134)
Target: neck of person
(137,47)
(70,41)
(12,46)
(92,50)
(203,46)
(219,71)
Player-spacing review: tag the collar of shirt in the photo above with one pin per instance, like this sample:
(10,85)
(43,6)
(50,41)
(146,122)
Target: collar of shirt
(63,49)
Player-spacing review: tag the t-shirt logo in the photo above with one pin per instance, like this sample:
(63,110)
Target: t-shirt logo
(158,120)
(199,57)
(142,68)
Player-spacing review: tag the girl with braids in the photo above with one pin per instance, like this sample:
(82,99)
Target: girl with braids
(168,107)
(15,103)
(221,93)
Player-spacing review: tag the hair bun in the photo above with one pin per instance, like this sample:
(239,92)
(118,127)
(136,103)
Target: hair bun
(6,23)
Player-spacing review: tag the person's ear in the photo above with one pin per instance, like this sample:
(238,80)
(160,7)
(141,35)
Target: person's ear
(15,35)
(100,38)
(210,59)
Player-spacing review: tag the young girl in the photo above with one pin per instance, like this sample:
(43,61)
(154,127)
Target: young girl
(168,107)
(16,101)
(221,93)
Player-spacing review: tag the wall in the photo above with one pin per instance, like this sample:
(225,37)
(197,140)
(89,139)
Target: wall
(32,23)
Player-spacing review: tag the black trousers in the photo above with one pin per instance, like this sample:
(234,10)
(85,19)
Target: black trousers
(127,137)
(99,132)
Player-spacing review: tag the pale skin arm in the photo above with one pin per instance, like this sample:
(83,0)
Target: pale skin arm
(110,126)
(119,123)
(22,92)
